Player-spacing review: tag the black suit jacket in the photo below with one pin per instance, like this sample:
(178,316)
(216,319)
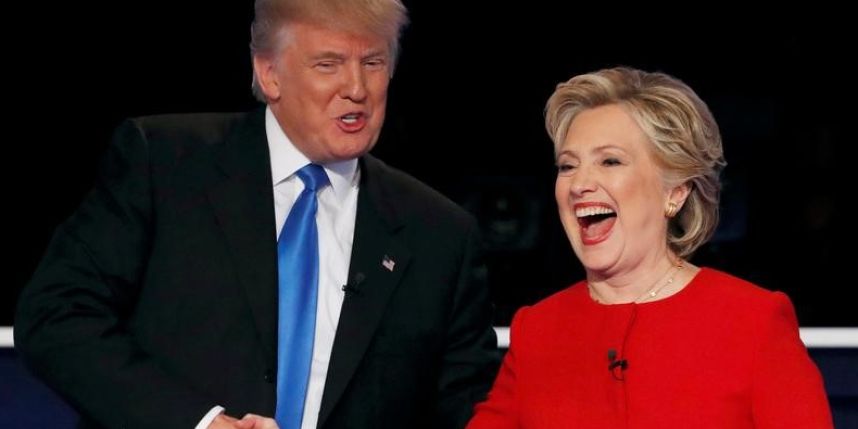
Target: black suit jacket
(157,299)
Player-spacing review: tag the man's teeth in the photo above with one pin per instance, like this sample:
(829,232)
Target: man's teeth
(350,118)
(591,211)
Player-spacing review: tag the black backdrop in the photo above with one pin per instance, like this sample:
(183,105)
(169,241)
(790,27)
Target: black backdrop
(465,115)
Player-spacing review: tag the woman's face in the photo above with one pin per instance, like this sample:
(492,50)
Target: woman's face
(610,192)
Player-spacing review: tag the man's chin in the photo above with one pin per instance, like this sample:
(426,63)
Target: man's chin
(350,150)
(340,156)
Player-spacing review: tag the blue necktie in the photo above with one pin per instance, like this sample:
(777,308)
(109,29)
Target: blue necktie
(298,273)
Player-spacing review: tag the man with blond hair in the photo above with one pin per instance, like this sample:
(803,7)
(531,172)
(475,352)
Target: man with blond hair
(262,269)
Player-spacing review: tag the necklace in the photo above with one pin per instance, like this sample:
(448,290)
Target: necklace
(649,294)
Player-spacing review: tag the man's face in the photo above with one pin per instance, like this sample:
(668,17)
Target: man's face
(328,89)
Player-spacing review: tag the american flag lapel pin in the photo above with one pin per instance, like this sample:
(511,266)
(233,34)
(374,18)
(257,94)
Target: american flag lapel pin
(388,263)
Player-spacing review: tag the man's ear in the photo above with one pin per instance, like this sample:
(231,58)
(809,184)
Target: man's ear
(265,71)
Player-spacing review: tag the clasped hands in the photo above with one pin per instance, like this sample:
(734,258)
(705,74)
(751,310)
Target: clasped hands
(249,421)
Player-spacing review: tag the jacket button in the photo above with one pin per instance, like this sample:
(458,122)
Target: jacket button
(269,376)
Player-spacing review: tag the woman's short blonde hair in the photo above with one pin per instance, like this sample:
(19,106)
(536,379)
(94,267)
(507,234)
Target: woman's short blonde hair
(685,139)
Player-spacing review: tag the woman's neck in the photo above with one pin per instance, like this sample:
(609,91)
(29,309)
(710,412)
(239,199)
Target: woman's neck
(648,281)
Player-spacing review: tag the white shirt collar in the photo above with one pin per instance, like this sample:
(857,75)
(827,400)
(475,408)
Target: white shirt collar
(286,159)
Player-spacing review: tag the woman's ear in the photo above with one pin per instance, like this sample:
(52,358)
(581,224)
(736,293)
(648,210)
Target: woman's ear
(676,199)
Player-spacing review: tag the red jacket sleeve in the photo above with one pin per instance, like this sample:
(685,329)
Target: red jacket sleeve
(501,409)
(788,391)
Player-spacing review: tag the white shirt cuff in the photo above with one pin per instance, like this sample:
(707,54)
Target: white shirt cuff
(209,417)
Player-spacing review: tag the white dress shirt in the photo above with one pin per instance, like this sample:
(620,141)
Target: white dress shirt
(335,219)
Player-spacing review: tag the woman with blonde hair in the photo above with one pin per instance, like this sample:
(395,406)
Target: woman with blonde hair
(648,340)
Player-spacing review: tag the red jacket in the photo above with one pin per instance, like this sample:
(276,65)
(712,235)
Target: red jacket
(721,353)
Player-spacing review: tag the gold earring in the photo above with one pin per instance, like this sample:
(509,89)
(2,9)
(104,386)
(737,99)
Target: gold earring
(671,209)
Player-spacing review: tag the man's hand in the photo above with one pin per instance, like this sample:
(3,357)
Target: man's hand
(223,421)
(249,421)
(252,421)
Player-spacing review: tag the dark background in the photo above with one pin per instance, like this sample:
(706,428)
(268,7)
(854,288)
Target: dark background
(465,116)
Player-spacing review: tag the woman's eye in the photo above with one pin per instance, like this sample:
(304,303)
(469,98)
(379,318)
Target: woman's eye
(565,168)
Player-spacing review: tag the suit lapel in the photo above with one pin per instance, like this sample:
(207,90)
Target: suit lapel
(379,259)
(244,206)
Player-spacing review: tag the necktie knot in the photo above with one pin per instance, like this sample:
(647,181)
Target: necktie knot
(313,176)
